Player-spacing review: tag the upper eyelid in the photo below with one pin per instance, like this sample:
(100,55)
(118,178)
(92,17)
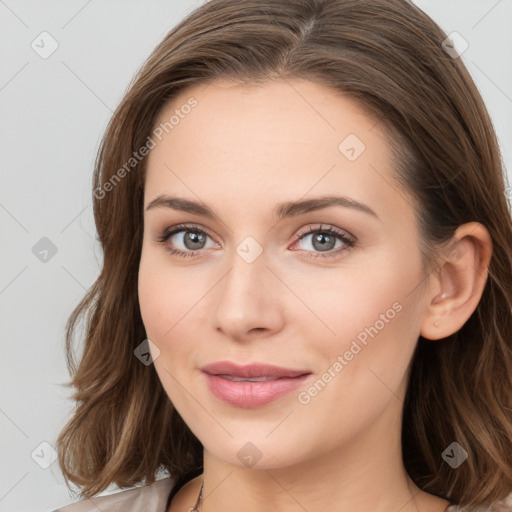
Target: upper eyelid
(300,234)
(328,228)
(187,227)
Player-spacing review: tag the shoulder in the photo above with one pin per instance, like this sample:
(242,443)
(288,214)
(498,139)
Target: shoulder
(503,505)
(150,498)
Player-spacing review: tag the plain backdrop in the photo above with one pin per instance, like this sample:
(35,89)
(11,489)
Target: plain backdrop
(54,109)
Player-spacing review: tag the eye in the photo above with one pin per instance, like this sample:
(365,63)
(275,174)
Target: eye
(320,242)
(186,240)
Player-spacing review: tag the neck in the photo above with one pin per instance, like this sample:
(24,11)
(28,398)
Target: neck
(365,473)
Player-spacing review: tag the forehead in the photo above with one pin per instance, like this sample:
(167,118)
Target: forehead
(280,113)
(279,140)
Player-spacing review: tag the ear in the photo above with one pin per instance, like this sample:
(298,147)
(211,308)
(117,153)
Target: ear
(458,283)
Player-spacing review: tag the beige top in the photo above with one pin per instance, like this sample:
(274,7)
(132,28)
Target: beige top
(153,498)
(148,498)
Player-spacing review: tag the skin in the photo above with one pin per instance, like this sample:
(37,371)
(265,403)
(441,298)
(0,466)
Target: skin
(242,150)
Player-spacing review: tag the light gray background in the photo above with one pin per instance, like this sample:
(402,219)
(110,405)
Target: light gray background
(53,114)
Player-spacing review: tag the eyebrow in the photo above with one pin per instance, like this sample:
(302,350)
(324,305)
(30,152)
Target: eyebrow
(282,210)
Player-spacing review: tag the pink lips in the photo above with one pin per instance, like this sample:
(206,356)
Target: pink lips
(247,393)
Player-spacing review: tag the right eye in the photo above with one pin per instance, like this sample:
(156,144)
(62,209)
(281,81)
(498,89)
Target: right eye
(192,239)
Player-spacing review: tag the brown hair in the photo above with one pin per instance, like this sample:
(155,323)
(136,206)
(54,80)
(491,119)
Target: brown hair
(388,56)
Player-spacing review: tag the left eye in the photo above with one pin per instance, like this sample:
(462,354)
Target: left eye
(323,240)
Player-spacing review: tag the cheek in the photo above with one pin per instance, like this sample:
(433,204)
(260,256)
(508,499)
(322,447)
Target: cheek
(154,287)
(158,300)
(346,303)
(357,311)
(170,302)
(368,316)
(369,345)
(164,304)
(150,296)
(365,361)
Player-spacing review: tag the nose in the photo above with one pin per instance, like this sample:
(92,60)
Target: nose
(247,301)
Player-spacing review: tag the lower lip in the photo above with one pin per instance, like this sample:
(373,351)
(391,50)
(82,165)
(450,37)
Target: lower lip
(252,394)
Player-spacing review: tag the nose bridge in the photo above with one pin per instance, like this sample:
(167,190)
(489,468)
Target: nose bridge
(243,301)
(248,268)
(244,283)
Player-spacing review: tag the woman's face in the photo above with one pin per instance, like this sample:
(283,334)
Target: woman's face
(344,306)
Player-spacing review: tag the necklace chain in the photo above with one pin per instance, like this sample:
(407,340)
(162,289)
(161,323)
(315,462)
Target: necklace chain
(199,502)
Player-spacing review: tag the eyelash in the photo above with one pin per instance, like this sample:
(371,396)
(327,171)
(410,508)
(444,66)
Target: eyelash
(193,228)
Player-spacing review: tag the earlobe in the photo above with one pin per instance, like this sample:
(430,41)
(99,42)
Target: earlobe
(458,283)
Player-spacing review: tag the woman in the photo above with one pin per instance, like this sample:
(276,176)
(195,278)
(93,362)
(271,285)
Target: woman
(305,299)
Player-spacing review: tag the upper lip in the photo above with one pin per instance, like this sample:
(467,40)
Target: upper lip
(251,370)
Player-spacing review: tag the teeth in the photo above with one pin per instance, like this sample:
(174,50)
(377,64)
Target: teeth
(249,379)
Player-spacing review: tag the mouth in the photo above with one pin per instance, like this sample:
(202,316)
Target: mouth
(252,371)
(252,385)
